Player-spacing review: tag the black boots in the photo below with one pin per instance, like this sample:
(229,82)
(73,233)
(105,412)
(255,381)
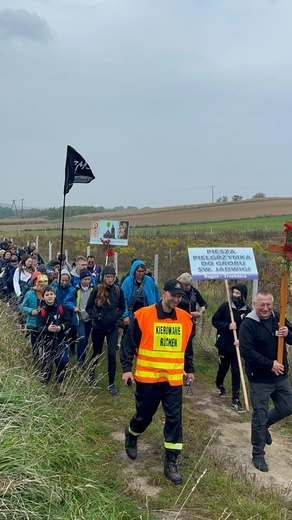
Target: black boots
(131,444)
(170,467)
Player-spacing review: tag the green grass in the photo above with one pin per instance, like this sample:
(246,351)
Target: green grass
(63,458)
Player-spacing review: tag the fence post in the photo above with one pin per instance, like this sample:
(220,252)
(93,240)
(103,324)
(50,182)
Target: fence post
(156,259)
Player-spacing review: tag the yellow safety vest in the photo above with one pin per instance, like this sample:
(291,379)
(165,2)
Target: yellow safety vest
(162,348)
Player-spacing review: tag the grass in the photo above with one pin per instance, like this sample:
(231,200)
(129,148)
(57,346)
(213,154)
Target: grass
(63,458)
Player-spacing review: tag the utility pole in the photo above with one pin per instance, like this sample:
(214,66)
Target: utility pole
(13,207)
(22,200)
(212,188)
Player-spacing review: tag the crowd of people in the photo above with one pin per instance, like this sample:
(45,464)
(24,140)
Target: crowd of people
(62,306)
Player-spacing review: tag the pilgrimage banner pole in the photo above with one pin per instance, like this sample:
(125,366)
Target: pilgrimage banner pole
(237,349)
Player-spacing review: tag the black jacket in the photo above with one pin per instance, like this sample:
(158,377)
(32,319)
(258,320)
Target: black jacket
(221,321)
(258,347)
(106,317)
(53,315)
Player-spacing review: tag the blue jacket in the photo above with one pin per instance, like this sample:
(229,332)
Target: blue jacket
(72,300)
(63,292)
(149,292)
(30,303)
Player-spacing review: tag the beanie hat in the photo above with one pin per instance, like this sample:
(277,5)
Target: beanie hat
(65,271)
(108,269)
(84,273)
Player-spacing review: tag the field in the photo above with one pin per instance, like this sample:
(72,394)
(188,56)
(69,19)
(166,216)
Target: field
(175,215)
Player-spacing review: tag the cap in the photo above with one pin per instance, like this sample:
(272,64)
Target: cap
(84,273)
(174,287)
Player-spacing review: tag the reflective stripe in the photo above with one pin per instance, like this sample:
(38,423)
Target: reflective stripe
(158,364)
(133,433)
(168,354)
(172,446)
(154,376)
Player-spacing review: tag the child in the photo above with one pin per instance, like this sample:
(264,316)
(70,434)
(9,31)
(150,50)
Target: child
(31,306)
(53,322)
(76,302)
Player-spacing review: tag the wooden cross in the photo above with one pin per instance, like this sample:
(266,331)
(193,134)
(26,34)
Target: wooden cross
(286,251)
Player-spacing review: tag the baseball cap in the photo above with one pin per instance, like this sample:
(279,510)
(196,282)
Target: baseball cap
(174,287)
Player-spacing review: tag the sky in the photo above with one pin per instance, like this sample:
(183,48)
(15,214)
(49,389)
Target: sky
(171,102)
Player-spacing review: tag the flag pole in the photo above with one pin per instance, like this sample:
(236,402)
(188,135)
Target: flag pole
(62,237)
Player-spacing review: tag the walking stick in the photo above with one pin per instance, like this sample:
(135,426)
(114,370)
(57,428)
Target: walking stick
(237,350)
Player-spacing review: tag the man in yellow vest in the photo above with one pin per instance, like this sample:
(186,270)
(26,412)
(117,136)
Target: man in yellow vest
(160,339)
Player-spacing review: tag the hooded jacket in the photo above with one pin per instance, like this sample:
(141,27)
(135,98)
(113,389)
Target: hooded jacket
(130,288)
(221,320)
(258,347)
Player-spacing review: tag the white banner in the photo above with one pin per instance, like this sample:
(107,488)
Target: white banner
(217,263)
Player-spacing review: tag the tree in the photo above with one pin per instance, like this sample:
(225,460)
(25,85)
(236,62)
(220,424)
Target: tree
(222,199)
(236,198)
(259,195)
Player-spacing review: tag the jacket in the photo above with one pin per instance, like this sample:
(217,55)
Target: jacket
(221,321)
(52,313)
(149,291)
(72,300)
(29,304)
(139,334)
(106,317)
(258,347)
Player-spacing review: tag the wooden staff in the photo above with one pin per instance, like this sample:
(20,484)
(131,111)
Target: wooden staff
(284,290)
(237,350)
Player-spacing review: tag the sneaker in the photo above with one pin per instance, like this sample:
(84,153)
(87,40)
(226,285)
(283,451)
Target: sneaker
(131,444)
(221,390)
(268,438)
(260,463)
(236,404)
(113,390)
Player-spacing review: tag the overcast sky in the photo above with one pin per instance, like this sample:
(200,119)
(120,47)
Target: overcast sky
(163,98)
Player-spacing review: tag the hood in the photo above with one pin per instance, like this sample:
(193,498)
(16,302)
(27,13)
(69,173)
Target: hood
(135,265)
(242,288)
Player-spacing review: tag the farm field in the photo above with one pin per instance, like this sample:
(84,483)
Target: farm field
(233,212)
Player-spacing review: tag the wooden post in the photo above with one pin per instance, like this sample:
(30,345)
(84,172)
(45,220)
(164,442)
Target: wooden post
(237,350)
(283,250)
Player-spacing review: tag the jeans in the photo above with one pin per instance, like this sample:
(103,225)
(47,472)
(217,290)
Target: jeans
(98,336)
(83,330)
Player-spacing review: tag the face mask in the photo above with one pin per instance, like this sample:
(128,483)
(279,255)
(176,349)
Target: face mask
(238,301)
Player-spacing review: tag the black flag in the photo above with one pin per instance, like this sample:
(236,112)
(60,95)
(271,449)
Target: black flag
(76,170)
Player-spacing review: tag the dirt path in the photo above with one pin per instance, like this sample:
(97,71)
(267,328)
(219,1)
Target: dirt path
(231,445)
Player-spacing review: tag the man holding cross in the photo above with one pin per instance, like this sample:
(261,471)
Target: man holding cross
(268,378)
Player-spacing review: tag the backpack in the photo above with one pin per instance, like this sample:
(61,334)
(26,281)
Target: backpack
(44,311)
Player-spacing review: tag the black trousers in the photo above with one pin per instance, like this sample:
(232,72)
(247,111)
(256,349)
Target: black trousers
(226,360)
(98,336)
(280,392)
(148,398)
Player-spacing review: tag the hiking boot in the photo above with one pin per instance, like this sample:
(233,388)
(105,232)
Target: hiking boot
(170,468)
(131,444)
(113,390)
(236,404)
(221,390)
(268,438)
(260,463)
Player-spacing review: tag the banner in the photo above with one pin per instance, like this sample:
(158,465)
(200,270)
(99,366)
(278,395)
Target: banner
(116,231)
(215,263)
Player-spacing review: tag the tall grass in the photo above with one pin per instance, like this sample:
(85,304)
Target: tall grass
(63,458)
